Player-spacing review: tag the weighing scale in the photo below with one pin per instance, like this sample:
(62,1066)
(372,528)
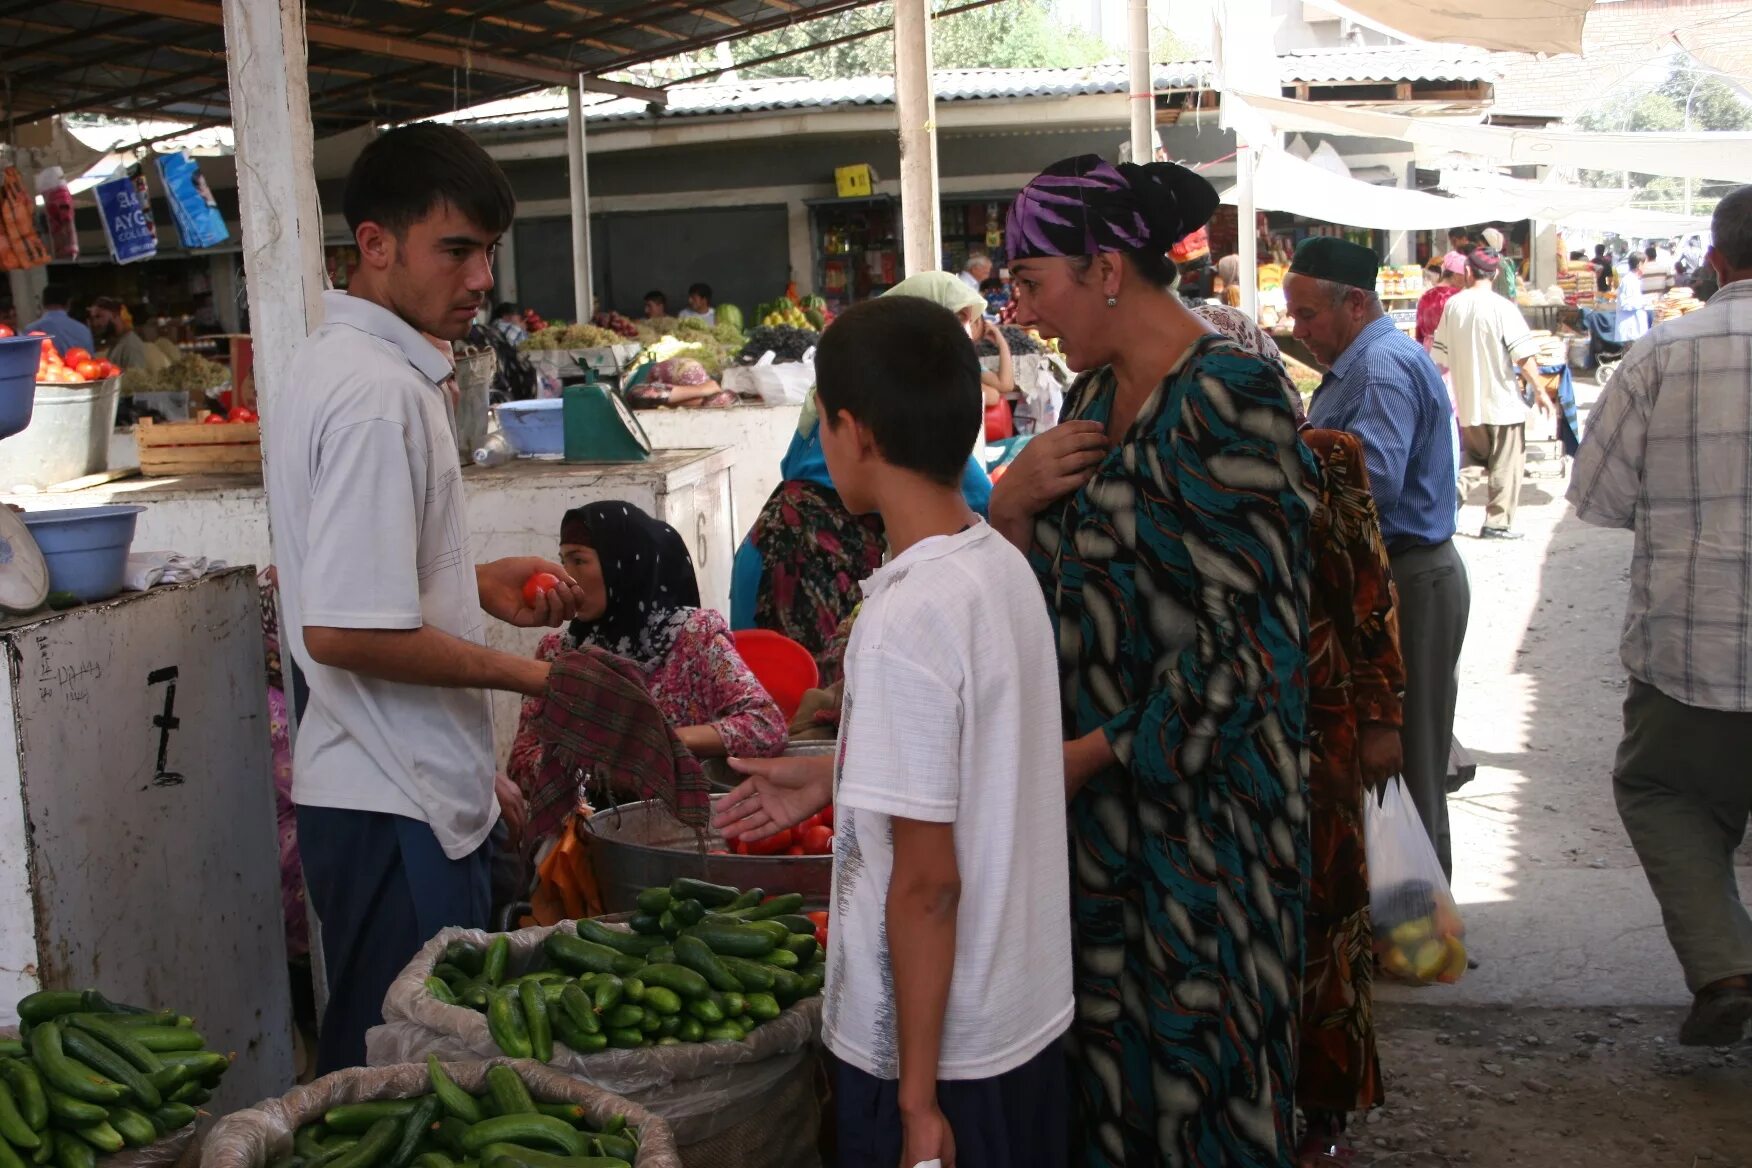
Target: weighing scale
(599,427)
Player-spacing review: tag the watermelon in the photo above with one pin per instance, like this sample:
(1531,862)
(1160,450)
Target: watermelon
(731,315)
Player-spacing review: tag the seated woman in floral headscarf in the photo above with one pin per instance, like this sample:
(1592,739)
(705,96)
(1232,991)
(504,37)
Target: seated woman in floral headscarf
(642,603)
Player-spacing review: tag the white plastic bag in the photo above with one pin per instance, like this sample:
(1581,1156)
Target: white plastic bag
(777,383)
(1419,936)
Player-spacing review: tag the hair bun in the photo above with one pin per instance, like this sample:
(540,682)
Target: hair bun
(1175,201)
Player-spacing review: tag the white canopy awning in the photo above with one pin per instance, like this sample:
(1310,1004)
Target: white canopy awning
(1515,26)
(1703,154)
(1283,182)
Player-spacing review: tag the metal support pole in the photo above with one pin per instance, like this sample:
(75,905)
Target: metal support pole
(915,107)
(577,170)
(1143,96)
(1246,226)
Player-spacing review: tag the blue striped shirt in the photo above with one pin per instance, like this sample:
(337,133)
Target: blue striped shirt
(1386,391)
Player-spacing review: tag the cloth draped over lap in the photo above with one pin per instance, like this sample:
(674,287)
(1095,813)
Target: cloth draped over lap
(598,718)
(162,1153)
(700,1089)
(257,1136)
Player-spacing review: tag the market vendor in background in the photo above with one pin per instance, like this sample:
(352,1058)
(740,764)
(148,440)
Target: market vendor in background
(656,305)
(113,328)
(977,270)
(66,332)
(799,568)
(641,601)
(699,306)
(393,767)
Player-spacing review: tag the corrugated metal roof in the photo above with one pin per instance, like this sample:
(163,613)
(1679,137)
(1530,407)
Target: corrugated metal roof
(1363,64)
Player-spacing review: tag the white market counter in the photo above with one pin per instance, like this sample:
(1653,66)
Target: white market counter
(137,834)
(758,434)
(514,510)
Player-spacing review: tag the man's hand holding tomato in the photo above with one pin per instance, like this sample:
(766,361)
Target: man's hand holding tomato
(502,588)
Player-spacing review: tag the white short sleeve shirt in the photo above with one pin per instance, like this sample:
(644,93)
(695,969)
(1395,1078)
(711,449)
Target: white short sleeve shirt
(951,716)
(371,532)
(1481,338)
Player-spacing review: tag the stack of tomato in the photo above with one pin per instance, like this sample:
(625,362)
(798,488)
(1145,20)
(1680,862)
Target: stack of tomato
(234,414)
(812,837)
(71,368)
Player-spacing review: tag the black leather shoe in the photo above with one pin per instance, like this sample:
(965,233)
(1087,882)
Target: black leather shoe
(1499,533)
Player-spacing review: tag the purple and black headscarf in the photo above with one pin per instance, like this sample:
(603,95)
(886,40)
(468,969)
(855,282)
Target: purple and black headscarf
(1086,206)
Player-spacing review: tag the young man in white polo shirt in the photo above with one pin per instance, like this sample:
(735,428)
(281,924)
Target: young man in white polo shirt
(393,768)
(949,965)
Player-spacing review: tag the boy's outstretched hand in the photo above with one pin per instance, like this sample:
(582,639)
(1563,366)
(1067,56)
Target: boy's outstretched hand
(779,792)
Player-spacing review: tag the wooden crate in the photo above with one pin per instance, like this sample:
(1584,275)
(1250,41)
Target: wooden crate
(185,448)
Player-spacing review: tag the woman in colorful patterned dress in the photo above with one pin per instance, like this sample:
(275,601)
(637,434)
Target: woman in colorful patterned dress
(642,602)
(1168,519)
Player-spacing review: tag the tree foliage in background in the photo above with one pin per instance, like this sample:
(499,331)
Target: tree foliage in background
(1714,105)
(1013,34)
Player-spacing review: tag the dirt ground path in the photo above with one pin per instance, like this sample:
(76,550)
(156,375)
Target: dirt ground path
(1560,1049)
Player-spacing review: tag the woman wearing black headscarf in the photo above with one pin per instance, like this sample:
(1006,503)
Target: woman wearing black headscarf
(1168,520)
(642,602)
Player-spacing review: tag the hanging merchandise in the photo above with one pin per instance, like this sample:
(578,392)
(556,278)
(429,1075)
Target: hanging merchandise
(20,245)
(57,198)
(127,220)
(198,220)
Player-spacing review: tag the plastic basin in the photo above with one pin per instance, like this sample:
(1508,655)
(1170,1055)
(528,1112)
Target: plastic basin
(534,427)
(86,548)
(18,366)
(785,668)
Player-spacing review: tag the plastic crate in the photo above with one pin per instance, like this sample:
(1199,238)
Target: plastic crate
(534,427)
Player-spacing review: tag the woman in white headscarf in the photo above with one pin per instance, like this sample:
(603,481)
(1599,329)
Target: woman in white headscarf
(798,571)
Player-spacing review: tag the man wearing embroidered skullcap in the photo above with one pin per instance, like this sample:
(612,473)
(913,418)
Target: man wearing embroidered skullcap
(1381,386)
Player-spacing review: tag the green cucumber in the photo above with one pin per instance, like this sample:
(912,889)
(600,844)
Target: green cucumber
(532,1129)
(708,894)
(413,1130)
(650,1022)
(669,925)
(47,1005)
(535,1013)
(753,975)
(664,954)
(572,1113)
(162,1039)
(580,956)
(375,1144)
(778,906)
(102,1136)
(506,1024)
(617,1145)
(747,898)
(94,1053)
(118,1039)
(670,1026)
(454,1099)
(689,983)
(136,1127)
(623,1016)
(632,944)
(497,958)
(63,1073)
(466,956)
(575,1005)
(663,1000)
(27,1091)
(12,1048)
(795,922)
(648,924)
(654,900)
(633,989)
(514,1156)
(763,1007)
(433,1160)
(692,1030)
(606,994)
(575,1036)
(66,1111)
(71,1152)
(782,959)
(804,947)
(357,1119)
(13,1126)
(173,1116)
(689,912)
(508,1093)
(723,1033)
(448,1131)
(733,940)
(202,1064)
(694,953)
(626,1039)
(441,990)
(706,1010)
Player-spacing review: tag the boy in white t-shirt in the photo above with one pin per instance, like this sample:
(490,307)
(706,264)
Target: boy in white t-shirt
(949,972)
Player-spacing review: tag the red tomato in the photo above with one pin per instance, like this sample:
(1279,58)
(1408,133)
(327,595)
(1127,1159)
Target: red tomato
(795,850)
(36,333)
(111,369)
(538,586)
(825,815)
(741,847)
(817,840)
(821,937)
(6,331)
(772,845)
(75,355)
(88,370)
(818,918)
(214,420)
(240,414)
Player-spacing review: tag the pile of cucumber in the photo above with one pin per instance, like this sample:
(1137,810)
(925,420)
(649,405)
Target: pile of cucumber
(449,1128)
(88,1077)
(704,963)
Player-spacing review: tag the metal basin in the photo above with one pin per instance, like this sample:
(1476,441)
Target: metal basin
(639,845)
(723,779)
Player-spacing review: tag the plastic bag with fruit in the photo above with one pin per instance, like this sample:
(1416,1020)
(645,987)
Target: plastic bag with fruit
(1419,936)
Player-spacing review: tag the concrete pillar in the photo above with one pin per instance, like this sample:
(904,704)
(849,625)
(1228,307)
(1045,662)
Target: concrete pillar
(27,292)
(577,168)
(1143,93)
(276,183)
(915,107)
(1246,226)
